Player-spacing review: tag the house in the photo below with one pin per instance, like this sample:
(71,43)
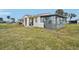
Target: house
(73,22)
(10,21)
(13,20)
(76,21)
(50,21)
(20,21)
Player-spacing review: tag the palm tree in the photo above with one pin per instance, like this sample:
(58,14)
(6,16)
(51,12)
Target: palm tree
(72,15)
(66,15)
(59,11)
(8,17)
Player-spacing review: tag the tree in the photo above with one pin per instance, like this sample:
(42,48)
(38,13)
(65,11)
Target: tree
(13,20)
(1,19)
(66,15)
(72,15)
(60,11)
(8,17)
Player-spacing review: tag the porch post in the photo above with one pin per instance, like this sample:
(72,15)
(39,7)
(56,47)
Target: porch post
(27,21)
(56,21)
(24,22)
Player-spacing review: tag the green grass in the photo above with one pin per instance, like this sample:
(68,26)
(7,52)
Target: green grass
(13,36)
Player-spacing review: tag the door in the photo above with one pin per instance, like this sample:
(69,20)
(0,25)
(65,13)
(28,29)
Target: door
(45,23)
(31,22)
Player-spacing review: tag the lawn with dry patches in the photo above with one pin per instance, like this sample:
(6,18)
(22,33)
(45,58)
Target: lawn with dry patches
(17,37)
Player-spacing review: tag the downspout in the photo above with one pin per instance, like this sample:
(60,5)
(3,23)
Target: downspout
(56,21)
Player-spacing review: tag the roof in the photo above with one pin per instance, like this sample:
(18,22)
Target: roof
(52,15)
(45,14)
(72,20)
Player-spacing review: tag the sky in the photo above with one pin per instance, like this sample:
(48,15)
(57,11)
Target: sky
(19,13)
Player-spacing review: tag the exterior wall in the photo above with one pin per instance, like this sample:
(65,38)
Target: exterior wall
(50,23)
(78,22)
(53,23)
(35,24)
(60,22)
(38,23)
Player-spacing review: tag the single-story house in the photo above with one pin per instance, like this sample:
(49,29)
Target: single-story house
(10,21)
(50,21)
(74,21)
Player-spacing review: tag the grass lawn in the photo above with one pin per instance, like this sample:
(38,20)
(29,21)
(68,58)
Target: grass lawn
(17,37)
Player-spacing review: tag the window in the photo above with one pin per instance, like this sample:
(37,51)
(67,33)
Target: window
(42,19)
(47,18)
(61,21)
(50,21)
(53,19)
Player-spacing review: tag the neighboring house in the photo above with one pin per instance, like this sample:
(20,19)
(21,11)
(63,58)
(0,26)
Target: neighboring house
(50,21)
(10,21)
(77,21)
(74,21)
(13,20)
(20,21)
